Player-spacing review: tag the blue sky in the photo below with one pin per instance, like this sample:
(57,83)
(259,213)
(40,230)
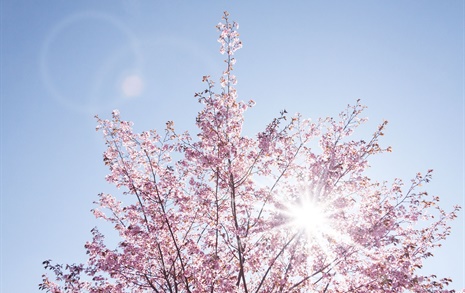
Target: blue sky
(65,61)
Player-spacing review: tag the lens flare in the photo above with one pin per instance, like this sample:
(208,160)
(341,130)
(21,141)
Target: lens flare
(132,86)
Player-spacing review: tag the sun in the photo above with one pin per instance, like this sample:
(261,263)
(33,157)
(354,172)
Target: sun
(318,220)
(309,216)
(315,220)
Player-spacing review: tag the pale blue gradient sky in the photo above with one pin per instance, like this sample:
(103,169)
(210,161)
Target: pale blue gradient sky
(65,61)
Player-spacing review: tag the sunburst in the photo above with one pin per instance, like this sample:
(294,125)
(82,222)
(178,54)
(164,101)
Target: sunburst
(316,219)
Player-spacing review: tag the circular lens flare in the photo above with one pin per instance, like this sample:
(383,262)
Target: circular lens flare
(132,86)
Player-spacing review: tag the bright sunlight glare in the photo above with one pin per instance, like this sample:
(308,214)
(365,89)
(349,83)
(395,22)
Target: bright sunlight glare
(309,216)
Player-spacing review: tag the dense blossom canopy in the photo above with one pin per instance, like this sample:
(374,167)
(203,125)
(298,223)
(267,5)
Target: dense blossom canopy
(289,210)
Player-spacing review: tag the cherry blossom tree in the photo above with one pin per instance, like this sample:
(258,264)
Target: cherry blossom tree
(289,210)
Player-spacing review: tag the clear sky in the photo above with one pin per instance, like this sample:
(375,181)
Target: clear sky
(65,61)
